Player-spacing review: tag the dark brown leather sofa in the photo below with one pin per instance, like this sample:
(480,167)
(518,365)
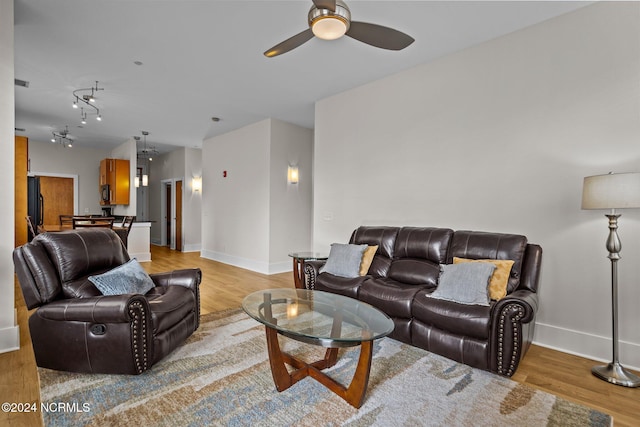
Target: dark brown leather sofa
(78,329)
(405,269)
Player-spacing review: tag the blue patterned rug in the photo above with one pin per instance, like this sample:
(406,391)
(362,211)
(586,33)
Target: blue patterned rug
(221,376)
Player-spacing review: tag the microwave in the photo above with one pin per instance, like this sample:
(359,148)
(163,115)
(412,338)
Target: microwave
(105,194)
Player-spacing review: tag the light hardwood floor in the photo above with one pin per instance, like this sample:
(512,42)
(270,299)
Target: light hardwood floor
(223,287)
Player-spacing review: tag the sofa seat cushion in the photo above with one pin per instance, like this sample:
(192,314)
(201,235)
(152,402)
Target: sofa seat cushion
(461,319)
(169,305)
(394,298)
(339,285)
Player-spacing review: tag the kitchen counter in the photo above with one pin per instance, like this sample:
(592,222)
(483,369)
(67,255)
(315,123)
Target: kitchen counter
(139,241)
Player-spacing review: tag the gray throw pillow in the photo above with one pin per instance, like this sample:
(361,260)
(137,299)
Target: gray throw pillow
(464,283)
(128,278)
(344,260)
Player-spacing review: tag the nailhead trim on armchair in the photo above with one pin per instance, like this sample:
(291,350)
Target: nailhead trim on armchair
(139,332)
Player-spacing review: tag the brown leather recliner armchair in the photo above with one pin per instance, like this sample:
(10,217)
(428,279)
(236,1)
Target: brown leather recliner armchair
(78,329)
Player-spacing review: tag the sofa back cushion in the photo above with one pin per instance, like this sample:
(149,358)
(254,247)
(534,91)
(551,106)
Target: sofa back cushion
(80,253)
(385,239)
(418,253)
(483,245)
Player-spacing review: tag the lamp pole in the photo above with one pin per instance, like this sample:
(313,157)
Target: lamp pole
(614,372)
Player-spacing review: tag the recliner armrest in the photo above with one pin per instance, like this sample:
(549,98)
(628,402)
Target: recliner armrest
(102,309)
(189,278)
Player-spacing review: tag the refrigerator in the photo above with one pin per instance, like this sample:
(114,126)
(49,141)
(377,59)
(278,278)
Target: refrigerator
(35,203)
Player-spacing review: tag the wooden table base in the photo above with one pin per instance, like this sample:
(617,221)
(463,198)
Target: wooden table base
(283,379)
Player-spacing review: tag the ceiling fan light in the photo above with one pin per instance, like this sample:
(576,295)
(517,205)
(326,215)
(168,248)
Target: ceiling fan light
(329,27)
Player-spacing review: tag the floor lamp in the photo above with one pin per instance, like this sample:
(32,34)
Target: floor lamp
(613,191)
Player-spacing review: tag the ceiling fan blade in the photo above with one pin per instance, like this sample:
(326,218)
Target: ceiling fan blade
(379,36)
(290,43)
(325,4)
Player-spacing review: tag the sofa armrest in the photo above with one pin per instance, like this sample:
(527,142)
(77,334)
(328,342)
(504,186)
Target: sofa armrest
(311,271)
(102,309)
(512,330)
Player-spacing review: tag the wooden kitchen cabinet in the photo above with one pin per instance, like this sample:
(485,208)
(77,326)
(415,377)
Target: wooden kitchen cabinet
(21,169)
(115,173)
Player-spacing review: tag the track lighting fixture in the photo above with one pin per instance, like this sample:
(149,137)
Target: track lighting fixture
(86,99)
(63,138)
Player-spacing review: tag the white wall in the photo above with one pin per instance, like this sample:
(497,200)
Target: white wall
(498,138)
(290,206)
(54,159)
(251,218)
(235,209)
(192,211)
(9,332)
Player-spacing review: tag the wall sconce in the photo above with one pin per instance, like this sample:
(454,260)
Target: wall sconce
(196,184)
(292,175)
(136,180)
(145,180)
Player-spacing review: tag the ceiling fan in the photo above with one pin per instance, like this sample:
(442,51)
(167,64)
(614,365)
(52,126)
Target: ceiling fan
(331,19)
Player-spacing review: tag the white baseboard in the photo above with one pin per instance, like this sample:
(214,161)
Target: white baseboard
(195,247)
(280,267)
(10,339)
(248,264)
(586,345)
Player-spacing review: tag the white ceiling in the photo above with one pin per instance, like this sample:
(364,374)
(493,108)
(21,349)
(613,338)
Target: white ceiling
(204,58)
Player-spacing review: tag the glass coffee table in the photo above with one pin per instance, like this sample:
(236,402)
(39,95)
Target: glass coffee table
(323,319)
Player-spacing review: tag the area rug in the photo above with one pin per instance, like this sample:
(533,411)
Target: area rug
(221,376)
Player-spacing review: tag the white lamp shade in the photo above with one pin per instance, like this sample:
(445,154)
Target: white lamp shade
(136,180)
(145,180)
(611,191)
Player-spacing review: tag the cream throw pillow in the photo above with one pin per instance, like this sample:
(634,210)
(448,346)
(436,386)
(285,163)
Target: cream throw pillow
(367,259)
(500,277)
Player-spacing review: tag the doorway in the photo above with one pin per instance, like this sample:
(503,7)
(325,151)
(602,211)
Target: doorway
(171,213)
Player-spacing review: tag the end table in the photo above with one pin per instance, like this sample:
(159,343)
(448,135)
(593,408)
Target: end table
(298,265)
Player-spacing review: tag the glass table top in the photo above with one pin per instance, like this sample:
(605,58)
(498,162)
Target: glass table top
(318,317)
(309,255)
